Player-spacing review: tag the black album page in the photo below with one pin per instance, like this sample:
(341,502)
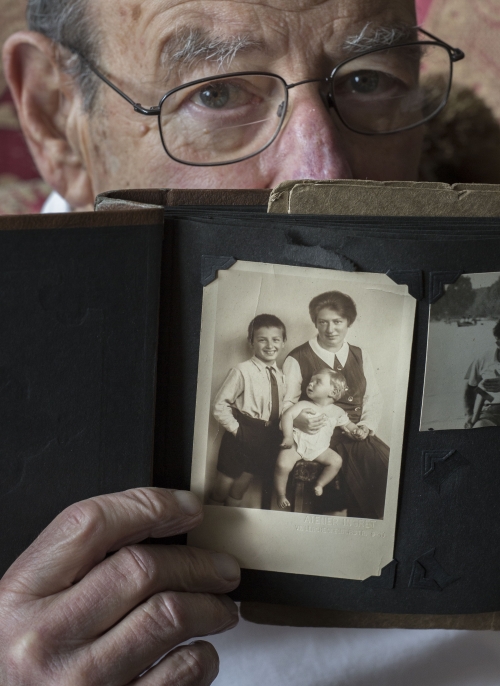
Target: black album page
(445,554)
(79,301)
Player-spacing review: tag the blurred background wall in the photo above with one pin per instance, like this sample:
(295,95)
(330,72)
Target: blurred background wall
(21,189)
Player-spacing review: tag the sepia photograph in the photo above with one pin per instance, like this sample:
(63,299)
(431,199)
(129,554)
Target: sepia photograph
(462,376)
(300,410)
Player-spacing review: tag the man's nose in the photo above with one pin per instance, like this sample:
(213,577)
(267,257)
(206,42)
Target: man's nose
(310,146)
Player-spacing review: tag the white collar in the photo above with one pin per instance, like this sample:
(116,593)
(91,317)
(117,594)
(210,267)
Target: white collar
(262,365)
(328,357)
(54,204)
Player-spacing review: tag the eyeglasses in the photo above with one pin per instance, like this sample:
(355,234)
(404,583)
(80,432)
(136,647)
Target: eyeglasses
(229,118)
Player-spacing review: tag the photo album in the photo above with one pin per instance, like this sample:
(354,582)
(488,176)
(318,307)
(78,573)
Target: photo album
(320,364)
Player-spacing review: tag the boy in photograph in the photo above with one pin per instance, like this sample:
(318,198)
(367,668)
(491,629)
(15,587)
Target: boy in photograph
(248,406)
(324,389)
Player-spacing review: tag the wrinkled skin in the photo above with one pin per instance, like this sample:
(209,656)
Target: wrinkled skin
(70,614)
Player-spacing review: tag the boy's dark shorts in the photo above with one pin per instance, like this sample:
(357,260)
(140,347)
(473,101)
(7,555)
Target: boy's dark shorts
(254,449)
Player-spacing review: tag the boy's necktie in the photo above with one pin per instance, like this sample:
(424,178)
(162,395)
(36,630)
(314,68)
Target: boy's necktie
(275,398)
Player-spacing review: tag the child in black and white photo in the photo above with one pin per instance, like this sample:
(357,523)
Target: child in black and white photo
(324,389)
(248,406)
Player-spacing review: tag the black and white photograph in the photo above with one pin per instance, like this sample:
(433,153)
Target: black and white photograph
(301,396)
(462,376)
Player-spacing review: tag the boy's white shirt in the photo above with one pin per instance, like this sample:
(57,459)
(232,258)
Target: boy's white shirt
(252,654)
(247,387)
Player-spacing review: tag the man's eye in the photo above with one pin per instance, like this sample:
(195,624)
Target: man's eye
(215,96)
(364,82)
(223,95)
(370,82)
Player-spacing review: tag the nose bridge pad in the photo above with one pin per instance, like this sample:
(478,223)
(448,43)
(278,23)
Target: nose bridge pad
(284,110)
(324,92)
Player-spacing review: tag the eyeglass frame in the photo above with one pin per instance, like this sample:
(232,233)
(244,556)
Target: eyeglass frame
(455,54)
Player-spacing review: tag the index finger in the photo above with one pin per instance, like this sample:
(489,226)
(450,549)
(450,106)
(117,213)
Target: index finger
(82,535)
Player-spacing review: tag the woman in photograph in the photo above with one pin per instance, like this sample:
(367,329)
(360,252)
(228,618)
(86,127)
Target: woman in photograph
(365,457)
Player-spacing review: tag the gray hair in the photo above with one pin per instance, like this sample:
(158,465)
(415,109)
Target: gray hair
(68,24)
(372,37)
(192,45)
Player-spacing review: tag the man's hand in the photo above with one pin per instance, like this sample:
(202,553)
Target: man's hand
(309,421)
(72,614)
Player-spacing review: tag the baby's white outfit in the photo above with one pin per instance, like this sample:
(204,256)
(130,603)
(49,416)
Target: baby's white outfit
(310,446)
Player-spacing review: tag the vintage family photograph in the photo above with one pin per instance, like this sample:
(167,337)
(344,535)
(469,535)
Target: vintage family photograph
(462,377)
(301,380)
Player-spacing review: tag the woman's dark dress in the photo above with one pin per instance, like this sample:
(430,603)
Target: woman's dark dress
(365,463)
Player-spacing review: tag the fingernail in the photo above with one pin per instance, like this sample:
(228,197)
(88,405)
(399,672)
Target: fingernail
(188,502)
(226,566)
(231,605)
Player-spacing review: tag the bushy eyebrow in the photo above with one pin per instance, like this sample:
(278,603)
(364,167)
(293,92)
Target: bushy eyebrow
(372,37)
(189,47)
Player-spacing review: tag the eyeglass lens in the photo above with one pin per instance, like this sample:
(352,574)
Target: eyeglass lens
(225,119)
(390,90)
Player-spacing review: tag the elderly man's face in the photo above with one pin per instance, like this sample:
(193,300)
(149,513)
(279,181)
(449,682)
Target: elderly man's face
(142,52)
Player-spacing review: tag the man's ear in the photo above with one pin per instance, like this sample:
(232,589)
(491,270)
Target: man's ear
(49,108)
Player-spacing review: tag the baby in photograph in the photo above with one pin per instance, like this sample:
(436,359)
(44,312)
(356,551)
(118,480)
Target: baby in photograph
(324,389)
(248,406)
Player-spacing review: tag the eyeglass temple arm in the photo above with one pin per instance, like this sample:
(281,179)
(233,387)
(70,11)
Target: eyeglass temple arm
(147,111)
(456,56)
(456,53)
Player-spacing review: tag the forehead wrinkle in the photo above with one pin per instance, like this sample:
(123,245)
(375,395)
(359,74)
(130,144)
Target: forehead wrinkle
(302,5)
(279,28)
(343,8)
